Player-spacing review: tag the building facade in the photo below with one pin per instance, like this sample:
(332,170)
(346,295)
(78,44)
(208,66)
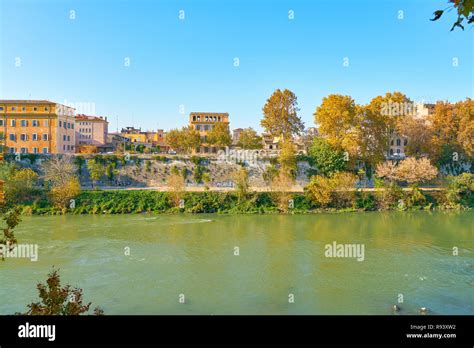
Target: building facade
(37,127)
(91,130)
(203,122)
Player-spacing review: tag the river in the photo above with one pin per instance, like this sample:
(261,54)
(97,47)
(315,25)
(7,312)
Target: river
(250,264)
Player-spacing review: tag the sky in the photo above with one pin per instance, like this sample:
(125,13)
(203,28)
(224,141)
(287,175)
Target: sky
(150,63)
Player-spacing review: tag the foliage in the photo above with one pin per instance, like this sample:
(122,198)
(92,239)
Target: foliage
(287,159)
(326,159)
(464,9)
(62,194)
(96,170)
(219,135)
(183,140)
(250,140)
(58,169)
(281,190)
(459,189)
(280,115)
(57,300)
(176,187)
(241,180)
(20,185)
(11,218)
(410,170)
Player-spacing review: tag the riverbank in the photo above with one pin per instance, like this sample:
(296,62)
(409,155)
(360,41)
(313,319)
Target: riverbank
(146,201)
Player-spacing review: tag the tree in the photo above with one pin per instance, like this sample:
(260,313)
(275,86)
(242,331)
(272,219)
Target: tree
(326,159)
(414,170)
(59,169)
(96,170)
(287,159)
(280,115)
(219,135)
(387,170)
(464,9)
(465,137)
(62,194)
(174,138)
(249,140)
(386,112)
(20,184)
(410,170)
(57,300)
(319,190)
(418,134)
(241,179)
(11,217)
(176,187)
(281,190)
(338,121)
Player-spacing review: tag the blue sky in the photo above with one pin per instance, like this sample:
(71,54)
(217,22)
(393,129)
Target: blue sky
(189,63)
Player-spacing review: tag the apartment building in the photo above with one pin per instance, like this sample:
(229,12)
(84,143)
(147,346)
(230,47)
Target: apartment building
(203,122)
(91,130)
(37,127)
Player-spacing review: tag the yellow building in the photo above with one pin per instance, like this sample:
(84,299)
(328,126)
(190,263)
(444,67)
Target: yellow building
(37,126)
(203,122)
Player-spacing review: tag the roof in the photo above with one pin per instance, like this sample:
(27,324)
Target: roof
(18,101)
(208,113)
(82,117)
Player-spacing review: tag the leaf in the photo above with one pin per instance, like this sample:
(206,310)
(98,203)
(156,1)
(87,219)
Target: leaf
(437,15)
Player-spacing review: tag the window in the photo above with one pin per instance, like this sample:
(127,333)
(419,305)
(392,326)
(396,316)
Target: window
(35,108)
(12,123)
(34,137)
(391,152)
(72,125)
(64,124)
(64,137)
(1,123)
(12,150)
(24,150)
(23,137)
(391,142)
(45,150)
(206,127)
(68,138)
(46,108)
(69,125)
(13,108)
(12,137)
(35,123)
(405,142)
(24,123)
(1,108)
(64,147)
(399,142)
(35,150)
(198,127)
(398,151)
(60,124)
(45,136)
(23,109)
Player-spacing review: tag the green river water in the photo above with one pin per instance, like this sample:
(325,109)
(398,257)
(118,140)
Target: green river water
(280,257)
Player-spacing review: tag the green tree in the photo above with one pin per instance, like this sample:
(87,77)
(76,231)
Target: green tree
(326,159)
(96,170)
(250,140)
(287,159)
(219,135)
(280,115)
